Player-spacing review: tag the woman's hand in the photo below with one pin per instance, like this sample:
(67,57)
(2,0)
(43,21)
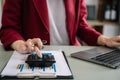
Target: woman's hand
(28,46)
(110,42)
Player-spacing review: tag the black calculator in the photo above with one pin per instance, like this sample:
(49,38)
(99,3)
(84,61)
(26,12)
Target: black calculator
(47,59)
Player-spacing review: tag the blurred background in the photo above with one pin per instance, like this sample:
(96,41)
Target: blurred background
(103,15)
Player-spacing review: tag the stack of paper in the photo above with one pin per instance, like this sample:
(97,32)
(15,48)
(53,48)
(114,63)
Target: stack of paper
(17,67)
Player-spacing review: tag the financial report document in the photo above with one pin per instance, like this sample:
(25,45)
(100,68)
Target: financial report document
(16,66)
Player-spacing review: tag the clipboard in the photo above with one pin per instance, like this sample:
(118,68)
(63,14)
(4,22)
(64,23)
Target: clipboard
(37,76)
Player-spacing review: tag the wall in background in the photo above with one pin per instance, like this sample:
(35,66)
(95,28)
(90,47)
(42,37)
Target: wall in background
(92,6)
(108,29)
(92,2)
(111,30)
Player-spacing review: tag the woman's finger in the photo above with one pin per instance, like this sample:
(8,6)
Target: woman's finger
(19,46)
(38,42)
(30,45)
(36,49)
(23,48)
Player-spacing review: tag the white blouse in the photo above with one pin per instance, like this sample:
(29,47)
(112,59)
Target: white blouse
(58,31)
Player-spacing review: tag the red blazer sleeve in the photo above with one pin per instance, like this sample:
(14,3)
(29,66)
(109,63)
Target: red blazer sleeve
(85,32)
(11,23)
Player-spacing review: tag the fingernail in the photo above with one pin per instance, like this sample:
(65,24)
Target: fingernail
(44,41)
(40,55)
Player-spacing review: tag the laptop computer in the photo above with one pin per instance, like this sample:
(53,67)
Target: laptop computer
(109,57)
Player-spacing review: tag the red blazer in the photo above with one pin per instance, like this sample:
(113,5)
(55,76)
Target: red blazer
(23,19)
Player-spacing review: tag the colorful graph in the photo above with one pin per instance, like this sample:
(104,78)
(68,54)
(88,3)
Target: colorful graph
(21,68)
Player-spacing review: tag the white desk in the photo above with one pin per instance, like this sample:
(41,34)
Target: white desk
(82,70)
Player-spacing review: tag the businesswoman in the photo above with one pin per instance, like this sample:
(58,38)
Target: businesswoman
(27,23)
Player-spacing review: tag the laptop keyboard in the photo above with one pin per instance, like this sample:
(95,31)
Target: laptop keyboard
(112,57)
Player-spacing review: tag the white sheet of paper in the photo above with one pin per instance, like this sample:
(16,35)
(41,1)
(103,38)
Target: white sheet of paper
(17,60)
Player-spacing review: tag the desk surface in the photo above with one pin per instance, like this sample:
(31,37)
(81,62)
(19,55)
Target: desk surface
(82,70)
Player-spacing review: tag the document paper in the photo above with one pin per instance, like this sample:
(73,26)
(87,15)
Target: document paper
(16,66)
